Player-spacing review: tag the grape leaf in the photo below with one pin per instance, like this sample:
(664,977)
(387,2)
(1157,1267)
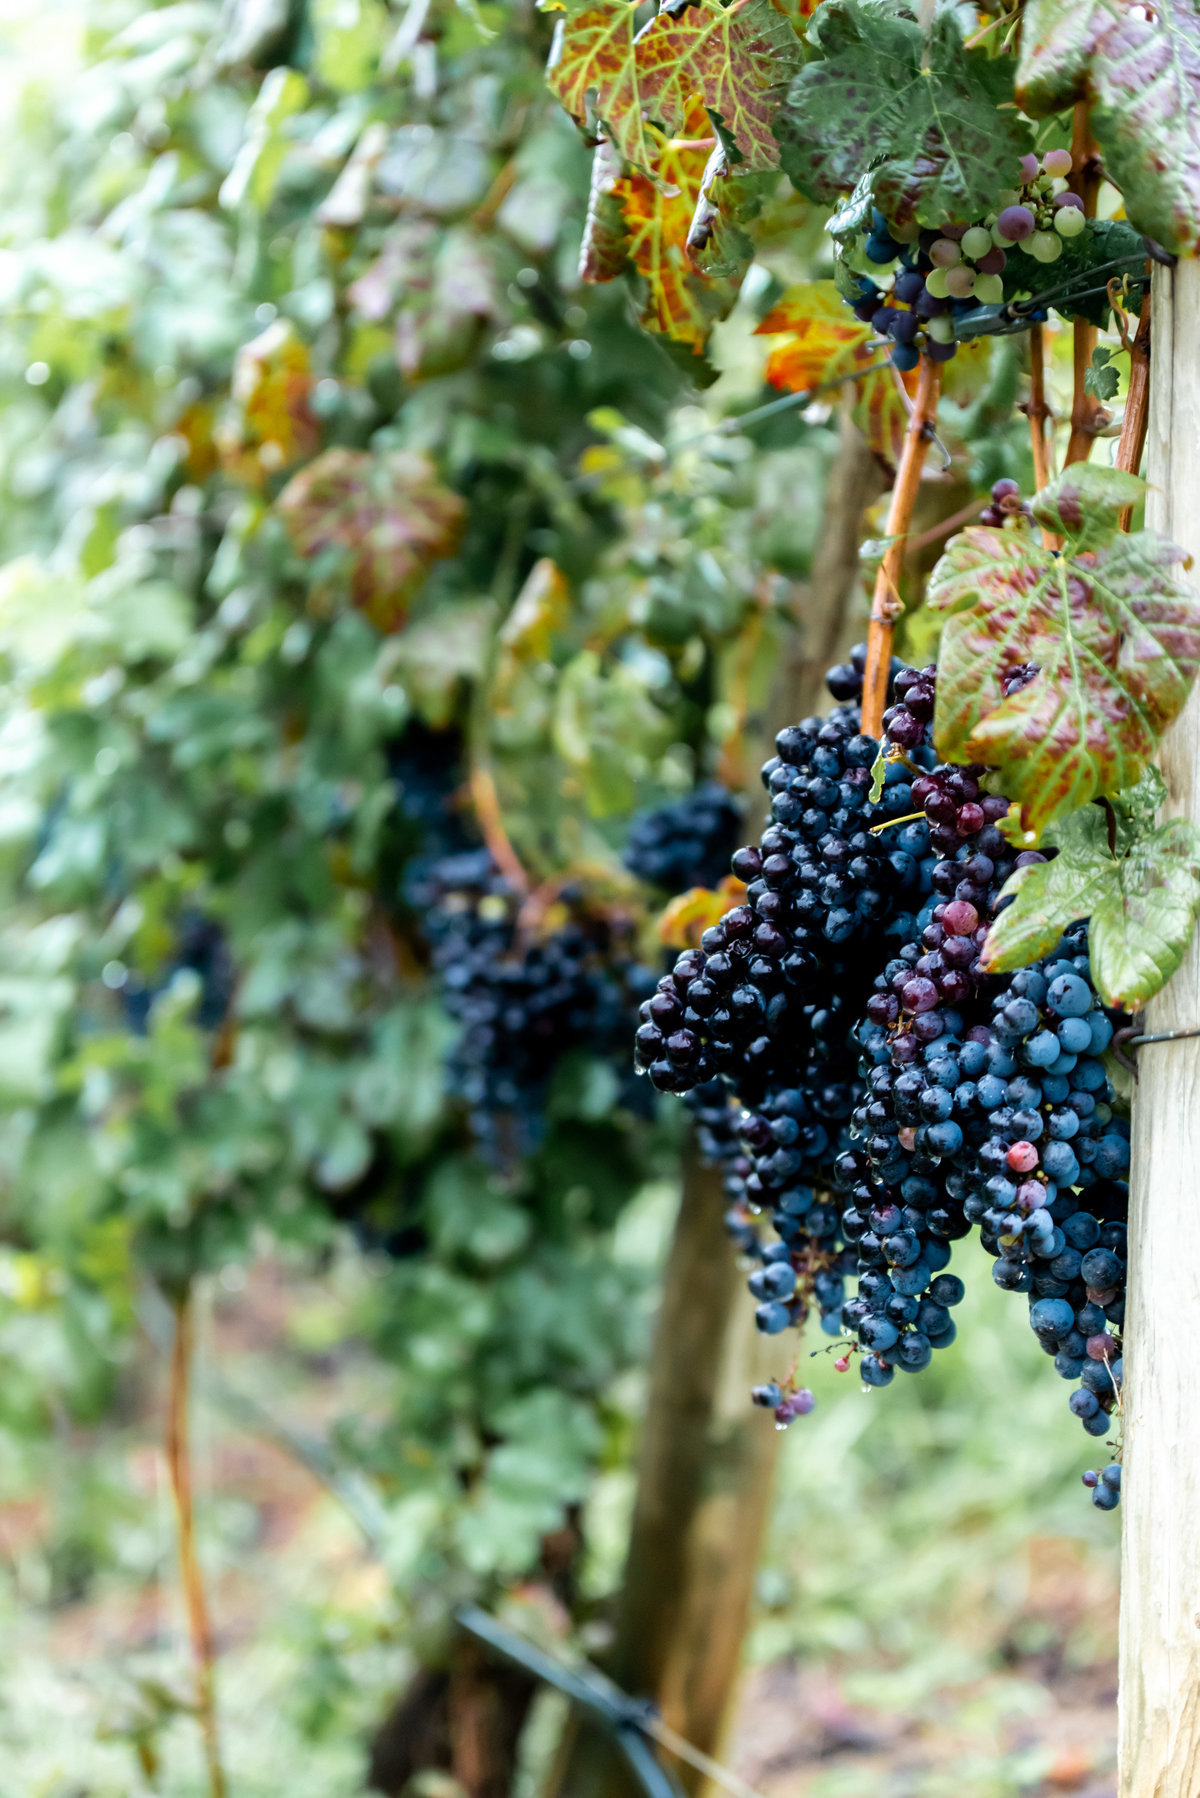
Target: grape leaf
(657,212)
(1112,630)
(928,117)
(379,521)
(1102,378)
(269,424)
(1140,69)
(1058,39)
(1146,117)
(591,71)
(440,286)
(718,244)
(604,251)
(735,60)
(1143,903)
(825,342)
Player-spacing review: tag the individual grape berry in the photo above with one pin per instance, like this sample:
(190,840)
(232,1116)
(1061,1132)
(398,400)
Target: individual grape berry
(1045,246)
(1015,224)
(976,242)
(1057,162)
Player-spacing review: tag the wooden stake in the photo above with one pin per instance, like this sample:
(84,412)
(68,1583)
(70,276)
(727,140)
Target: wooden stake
(1088,416)
(887,606)
(704,1484)
(1160,1503)
(179,1466)
(1137,405)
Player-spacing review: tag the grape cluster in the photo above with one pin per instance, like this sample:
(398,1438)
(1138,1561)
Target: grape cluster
(782,972)
(524,997)
(201,948)
(909,283)
(687,843)
(846,1007)
(1047,1185)
(1006,503)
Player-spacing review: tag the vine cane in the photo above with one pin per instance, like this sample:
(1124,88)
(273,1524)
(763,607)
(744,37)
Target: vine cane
(886,606)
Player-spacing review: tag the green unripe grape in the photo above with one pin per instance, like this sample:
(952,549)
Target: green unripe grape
(976,242)
(935,283)
(1069,221)
(1045,246)
(989,290)
(960,281)
(944,253)
(998,238)
(940,330)
(1008,196)
(1059,185)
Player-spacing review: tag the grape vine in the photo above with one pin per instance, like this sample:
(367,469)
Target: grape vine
(960,893)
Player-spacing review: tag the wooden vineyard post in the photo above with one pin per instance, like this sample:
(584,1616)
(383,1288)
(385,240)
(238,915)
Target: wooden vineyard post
(1160,1500)
(704,1484)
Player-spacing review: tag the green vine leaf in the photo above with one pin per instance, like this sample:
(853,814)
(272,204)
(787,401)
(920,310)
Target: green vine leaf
(1058,39)
(1140,69)
(931,118)
(1143,903)
(1112,632)
(1102,378)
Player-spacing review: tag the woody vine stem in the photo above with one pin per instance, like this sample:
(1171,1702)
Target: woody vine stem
(179,1466)
(886,606)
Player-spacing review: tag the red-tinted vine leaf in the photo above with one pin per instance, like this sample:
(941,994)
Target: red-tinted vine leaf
(929,117)
(1140,68)
(1058,40)
(1146,117)
(1143,903)
(270,424)
(736,59)
(591,71)
(1112,630)
(380,521)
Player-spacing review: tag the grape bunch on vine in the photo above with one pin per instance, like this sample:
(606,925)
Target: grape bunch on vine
(909,1025)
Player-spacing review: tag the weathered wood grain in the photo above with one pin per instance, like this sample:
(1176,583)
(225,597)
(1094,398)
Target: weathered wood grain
(1160,1596)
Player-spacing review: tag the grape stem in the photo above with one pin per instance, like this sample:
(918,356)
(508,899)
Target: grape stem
(887,606)
(179,1466)
(1137,404)
(1088,416)
(488,816)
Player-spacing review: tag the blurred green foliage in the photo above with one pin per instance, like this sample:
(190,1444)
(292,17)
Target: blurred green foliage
(311,441)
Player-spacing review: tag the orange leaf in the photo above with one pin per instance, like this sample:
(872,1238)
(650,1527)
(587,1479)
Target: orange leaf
(683,922)
(270,424)
(658,215)
(821,342)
